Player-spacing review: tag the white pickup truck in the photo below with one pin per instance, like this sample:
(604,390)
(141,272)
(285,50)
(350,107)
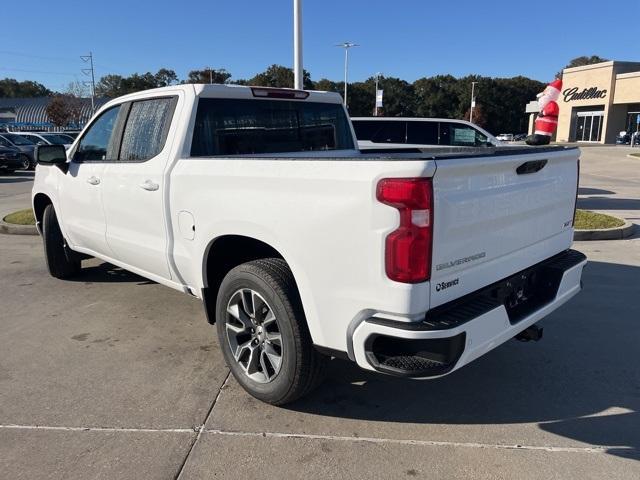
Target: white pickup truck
(301,247)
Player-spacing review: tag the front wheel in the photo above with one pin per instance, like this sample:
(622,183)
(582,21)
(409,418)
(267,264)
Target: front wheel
(263,332)
(61,261)
(26,163)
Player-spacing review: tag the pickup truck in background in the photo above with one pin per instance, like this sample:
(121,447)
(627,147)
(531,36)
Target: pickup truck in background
(257,201)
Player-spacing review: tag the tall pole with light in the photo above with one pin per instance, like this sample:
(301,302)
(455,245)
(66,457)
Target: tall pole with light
(375,111)
(346,46)
(473,101)
(298,72)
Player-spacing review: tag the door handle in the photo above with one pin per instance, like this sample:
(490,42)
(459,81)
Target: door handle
(149,186)
(93,180)
(532,166)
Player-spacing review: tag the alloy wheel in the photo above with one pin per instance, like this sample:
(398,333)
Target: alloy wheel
(254,335)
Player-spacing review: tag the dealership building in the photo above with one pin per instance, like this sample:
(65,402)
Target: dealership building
(599,101)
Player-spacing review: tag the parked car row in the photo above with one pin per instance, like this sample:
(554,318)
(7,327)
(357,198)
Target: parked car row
(21,145)
(512,137)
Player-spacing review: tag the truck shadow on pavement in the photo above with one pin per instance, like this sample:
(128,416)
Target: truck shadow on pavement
(594,191)
(608,203)
(16,179)
(107,273)
(581,381)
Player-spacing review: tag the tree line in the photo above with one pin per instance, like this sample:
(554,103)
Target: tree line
(500,102)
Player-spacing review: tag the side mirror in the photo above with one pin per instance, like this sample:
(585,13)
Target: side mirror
(52,155)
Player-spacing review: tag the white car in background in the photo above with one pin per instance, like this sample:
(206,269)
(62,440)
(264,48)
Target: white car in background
(398,132)
(505,137)
(46,138)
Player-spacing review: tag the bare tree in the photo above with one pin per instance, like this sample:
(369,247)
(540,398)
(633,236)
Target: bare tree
(58,111)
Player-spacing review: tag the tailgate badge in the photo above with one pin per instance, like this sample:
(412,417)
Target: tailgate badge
(444,285)
(460,261)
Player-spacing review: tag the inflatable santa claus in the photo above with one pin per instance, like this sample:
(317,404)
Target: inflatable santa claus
(548,109)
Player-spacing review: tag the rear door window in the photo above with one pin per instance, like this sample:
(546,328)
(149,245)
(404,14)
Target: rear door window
(391,132)
(365,129)
(422,133)
(381,131)
(145,132)
(239,127)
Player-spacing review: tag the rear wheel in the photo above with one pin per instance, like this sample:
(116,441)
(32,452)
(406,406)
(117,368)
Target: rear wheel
(26,163)
(62,262)
(263,332)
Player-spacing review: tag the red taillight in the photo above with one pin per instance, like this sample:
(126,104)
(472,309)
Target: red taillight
(408,248)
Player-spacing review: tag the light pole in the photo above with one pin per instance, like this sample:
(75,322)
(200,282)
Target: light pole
(297,45)
(346,46)
(473,101)
(375,111)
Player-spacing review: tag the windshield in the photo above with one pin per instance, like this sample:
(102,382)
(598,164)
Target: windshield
(237,127)
(18,139)
(55,139)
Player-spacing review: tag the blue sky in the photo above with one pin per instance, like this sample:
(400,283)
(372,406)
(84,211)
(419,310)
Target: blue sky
(404,38)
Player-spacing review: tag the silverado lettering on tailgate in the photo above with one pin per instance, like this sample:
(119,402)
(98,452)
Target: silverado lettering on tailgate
(460,261)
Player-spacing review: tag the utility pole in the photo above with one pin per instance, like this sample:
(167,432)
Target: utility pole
(89,72)
(210,75)
(473,101)
(375,112)
(346,46)
(298,72)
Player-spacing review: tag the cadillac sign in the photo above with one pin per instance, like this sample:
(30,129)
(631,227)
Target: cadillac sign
(571,94)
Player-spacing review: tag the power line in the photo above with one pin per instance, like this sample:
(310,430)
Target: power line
(39,57)
(35,71)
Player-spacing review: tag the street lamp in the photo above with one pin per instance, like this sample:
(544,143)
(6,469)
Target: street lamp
(375,112)
(346,46)
(473,101)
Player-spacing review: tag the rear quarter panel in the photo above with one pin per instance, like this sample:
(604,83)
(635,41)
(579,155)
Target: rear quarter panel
(321,215)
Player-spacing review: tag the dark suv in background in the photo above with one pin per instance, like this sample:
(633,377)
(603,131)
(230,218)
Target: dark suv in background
(9,160)
(24,145)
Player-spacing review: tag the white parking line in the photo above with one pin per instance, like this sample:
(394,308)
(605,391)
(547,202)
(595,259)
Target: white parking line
(99,429)
(422,443)
(426,443)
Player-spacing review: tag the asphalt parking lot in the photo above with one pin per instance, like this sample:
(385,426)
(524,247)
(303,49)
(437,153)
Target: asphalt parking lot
(113,376)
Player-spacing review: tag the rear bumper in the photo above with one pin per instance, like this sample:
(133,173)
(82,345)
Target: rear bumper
(460,331)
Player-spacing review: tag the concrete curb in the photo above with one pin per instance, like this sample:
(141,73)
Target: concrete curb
(617,233)
(630,155)
(12,229)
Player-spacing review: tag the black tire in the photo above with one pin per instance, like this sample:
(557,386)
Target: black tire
(26,163)
(61,261)
(301,365)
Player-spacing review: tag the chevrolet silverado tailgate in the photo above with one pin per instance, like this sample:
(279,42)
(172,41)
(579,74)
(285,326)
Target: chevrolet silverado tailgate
(497,214)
